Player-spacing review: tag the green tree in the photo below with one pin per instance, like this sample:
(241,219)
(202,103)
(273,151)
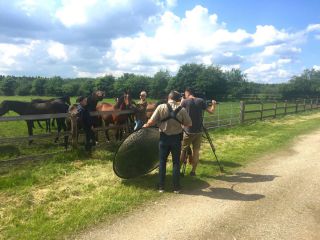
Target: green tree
(106,84)
(71,89)
(24,89)
(53,86)
(87,87)
(8,86)
(211,83)
(38,86)
(159,84)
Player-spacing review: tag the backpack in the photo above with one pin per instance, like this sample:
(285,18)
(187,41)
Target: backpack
(172,114)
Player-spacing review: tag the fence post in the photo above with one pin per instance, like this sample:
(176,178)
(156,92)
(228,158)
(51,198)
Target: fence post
(285,107)
(261,109)
(304,104)
(242,111)
(311,102)
(74,131)
(296,106)
(275,109)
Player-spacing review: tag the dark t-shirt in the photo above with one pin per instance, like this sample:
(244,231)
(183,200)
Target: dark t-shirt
(195,108)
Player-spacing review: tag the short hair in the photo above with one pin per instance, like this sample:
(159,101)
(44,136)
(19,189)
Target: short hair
(143,93)
(174,95)
(190,90)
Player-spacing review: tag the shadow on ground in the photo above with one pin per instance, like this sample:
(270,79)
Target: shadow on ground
(226,194)
(149,182)
(224,163)
(242,177)
(230,193)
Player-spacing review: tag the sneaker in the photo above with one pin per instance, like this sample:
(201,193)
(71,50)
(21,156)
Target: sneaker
(176,191)
(192,174)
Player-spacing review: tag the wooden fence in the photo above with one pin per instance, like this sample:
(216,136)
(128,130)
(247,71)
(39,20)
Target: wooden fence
(72,133)
(227,116)
(257,110)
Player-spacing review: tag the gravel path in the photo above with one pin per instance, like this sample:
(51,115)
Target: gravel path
(276,197)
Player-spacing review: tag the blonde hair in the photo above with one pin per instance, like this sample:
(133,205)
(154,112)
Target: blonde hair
(143,93)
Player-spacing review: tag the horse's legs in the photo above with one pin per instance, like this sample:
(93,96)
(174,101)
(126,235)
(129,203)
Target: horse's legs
(59,125)
(66,137)
(47,121)
(30,130)
(53,122)
(107,132)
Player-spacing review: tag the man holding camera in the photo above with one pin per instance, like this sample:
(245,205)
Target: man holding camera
(171,117)
(193,135)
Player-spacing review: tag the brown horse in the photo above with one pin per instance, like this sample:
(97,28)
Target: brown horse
(152,106)
(116,118)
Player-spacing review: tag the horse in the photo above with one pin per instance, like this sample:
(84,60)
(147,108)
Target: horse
(64,99)
(152,106)
(28,108)
(122,103)
(92,101)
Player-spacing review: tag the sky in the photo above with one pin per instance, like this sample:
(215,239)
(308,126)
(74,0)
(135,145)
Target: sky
(269,40)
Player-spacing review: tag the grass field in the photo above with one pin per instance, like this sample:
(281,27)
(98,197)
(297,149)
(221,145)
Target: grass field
(55,198)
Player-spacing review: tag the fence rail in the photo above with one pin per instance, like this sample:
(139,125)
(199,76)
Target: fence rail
(263,110)
(226,114)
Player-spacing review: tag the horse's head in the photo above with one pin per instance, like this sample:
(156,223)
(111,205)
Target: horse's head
(4,107)
(98,95)
(124,102)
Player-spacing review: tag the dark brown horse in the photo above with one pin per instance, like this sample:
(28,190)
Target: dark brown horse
(116,118)
(49,122)
(28,108)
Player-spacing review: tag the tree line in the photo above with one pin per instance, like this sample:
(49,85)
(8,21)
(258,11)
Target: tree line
(207,81)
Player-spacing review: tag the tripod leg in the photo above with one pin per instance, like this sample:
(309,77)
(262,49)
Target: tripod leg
(183,162)
(213,148)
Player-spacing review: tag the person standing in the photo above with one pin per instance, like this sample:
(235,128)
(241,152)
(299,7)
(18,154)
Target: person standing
(193,135)
(86,122)
(170,117)
(140,111)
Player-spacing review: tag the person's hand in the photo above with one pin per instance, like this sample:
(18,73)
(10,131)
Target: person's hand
(145,125)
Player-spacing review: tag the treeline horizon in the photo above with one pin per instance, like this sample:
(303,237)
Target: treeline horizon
(209,82)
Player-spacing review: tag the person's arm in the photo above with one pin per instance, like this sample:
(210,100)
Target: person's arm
(212,108)
(154,118)
(186,120)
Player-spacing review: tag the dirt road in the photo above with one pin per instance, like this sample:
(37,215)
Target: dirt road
(276,197)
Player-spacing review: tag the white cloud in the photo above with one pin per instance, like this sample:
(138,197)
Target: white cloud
(196,36)
(282,50)
(89,37)
(57,51)
(268,34)
(313,27)
(74,12)
(9,52)
(171,3)
(269,72)
(316,67)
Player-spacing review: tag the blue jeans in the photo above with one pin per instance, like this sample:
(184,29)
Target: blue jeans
(169,144)
(138,125)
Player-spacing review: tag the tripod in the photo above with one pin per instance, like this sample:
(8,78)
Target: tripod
(207,135)
(212,147)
